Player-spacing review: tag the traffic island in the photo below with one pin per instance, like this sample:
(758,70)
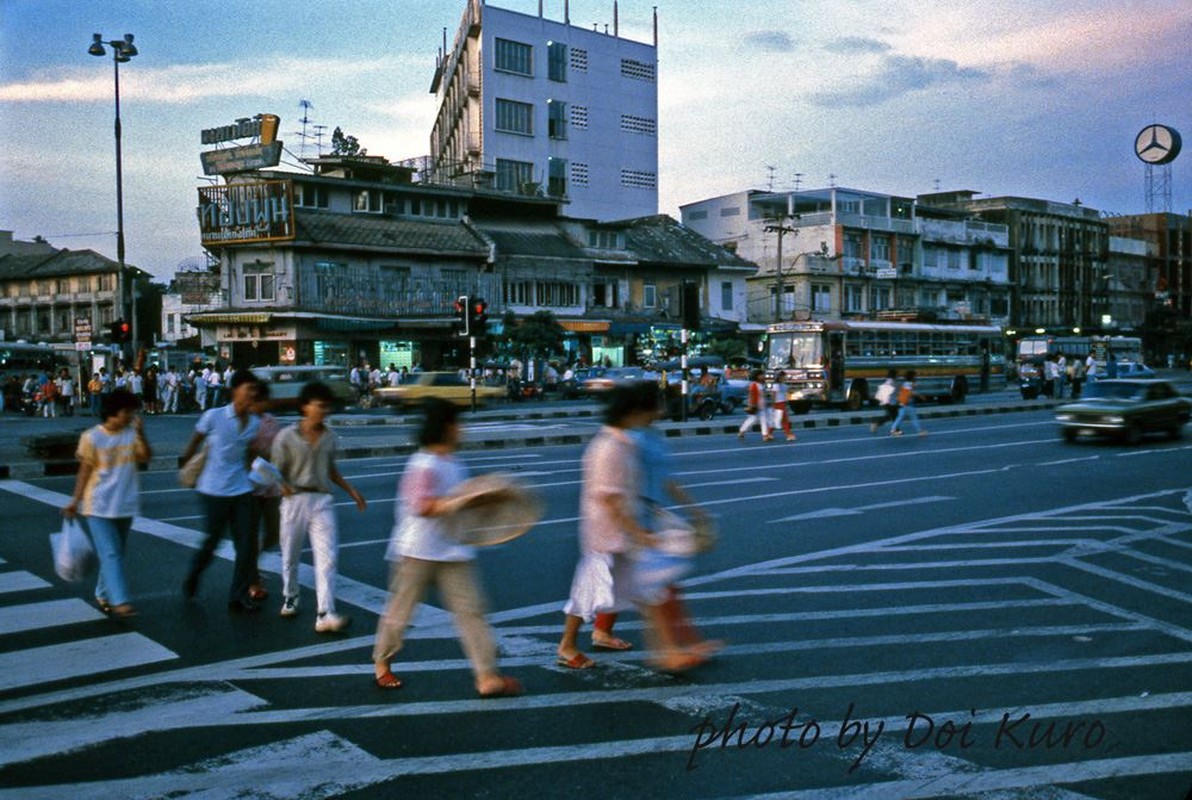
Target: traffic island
(56,451)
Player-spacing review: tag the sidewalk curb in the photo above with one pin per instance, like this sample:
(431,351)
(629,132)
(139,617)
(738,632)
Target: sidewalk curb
(494,441)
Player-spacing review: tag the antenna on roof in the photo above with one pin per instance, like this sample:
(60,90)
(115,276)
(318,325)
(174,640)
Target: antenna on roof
(832,179)
(798,180)
(306,106)
(770,168)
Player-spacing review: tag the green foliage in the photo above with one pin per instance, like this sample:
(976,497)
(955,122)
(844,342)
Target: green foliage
(727,348)
(342,145)
(539,335)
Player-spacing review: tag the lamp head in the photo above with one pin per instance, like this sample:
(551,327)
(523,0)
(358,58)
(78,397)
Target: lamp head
(96,48)
(128,49)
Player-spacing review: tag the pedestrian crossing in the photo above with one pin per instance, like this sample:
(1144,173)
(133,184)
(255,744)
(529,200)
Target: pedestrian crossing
(851,672)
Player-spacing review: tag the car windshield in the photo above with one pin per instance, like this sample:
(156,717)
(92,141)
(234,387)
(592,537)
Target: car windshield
(1115,391)
(795,350)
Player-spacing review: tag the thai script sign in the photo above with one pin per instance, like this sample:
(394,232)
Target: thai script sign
(262,125)
(246,212)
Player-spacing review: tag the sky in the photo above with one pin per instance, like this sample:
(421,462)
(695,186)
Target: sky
(1031,98)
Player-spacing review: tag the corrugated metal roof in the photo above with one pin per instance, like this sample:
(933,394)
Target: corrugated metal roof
(398,235)
(63,262)
(662,240)
(543,241)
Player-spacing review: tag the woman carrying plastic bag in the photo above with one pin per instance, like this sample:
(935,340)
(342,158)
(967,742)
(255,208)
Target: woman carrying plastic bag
(107,493)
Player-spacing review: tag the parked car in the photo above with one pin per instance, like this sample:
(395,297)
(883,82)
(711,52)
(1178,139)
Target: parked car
(572,387)
(285,383)
(444,385)
(612,376)
(1126,408)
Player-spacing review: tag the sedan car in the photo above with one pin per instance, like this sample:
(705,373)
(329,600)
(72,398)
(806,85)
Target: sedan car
(1126,408)
(285,384)
(596,384)
(444,385)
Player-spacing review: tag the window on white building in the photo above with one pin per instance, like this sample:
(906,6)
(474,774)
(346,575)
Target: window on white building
(726,296)
(515,117)
(557,61)
(512,175)
(637,70)
(556,119)
(514,57)
(821,297)
(170,323)
(258,283)
(310,196)
(556,185)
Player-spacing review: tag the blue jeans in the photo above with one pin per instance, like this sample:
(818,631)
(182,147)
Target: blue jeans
(907,412)
(109,537)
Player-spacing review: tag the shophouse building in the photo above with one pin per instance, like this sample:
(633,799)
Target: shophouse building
(1169,237)
(1058,257)
(543,107)
(836,253)
(357,262)
(49,294)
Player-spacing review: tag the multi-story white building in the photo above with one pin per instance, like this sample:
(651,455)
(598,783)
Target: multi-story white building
(538,107)
(837,252)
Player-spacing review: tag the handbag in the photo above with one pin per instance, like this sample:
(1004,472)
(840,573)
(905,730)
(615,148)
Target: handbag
(73,554)
(188,474)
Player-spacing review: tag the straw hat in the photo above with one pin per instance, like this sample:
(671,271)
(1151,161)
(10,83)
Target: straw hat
(491,509)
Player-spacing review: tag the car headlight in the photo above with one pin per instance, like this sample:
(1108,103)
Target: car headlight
(1065,417)
(1115,420)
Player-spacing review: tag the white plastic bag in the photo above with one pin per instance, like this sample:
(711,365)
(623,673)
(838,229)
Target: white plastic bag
(73,554)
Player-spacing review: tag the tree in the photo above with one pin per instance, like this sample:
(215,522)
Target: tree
(342,145)
(539,335)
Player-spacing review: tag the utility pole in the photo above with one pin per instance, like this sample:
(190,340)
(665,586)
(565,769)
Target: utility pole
(781,226)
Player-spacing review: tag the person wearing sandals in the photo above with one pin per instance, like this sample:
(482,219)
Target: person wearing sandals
(107,493)
(423,554)
(609,528)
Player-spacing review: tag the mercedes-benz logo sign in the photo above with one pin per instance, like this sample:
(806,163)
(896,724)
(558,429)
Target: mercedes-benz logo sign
(1157,144)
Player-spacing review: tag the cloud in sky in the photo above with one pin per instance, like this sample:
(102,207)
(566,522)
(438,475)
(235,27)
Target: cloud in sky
(856,44)
(897,75)
(770,41)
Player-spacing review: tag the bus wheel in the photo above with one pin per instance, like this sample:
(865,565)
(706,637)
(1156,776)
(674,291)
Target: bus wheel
(855,401)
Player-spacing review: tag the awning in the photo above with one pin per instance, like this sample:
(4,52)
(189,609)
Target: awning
(342,324)
(228,318)
(584,325)
(623,328)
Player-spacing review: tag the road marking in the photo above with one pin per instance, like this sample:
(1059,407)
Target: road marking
(347,590)
(35,616)
(844,512)
(20,582)
(1068,461)
(58,661)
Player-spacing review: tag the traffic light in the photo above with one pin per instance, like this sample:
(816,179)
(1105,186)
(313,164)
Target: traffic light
(463,315)
(119,331)
(479,313)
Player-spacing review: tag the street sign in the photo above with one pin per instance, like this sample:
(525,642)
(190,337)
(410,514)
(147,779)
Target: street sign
(886,273)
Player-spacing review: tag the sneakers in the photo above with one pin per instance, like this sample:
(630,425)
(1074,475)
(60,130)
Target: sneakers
(289,607)
(330,622)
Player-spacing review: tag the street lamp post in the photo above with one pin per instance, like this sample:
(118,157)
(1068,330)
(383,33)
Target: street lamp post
(122,51)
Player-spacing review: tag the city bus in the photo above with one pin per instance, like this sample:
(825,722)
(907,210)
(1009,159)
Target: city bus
(1032,351)
(21,358)
(843,362)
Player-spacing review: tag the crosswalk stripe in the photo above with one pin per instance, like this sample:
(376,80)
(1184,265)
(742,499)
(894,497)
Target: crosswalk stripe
(20,582)
(34,616)
(53,662)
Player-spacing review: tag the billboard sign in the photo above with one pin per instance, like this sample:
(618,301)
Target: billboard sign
(243,213)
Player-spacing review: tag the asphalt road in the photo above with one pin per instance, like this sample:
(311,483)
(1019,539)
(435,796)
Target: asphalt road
(936,589)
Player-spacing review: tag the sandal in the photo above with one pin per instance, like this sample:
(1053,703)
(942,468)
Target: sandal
(510,687)
(122,611)
(387,680)
(610,643)
(104,605)
(577,661)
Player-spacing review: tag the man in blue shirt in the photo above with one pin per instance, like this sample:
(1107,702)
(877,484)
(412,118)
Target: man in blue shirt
(226,490)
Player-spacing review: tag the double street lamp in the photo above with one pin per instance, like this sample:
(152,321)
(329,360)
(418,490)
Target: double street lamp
(122,51)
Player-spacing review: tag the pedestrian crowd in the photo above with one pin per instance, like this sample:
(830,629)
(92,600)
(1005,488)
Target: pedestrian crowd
(251,473)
